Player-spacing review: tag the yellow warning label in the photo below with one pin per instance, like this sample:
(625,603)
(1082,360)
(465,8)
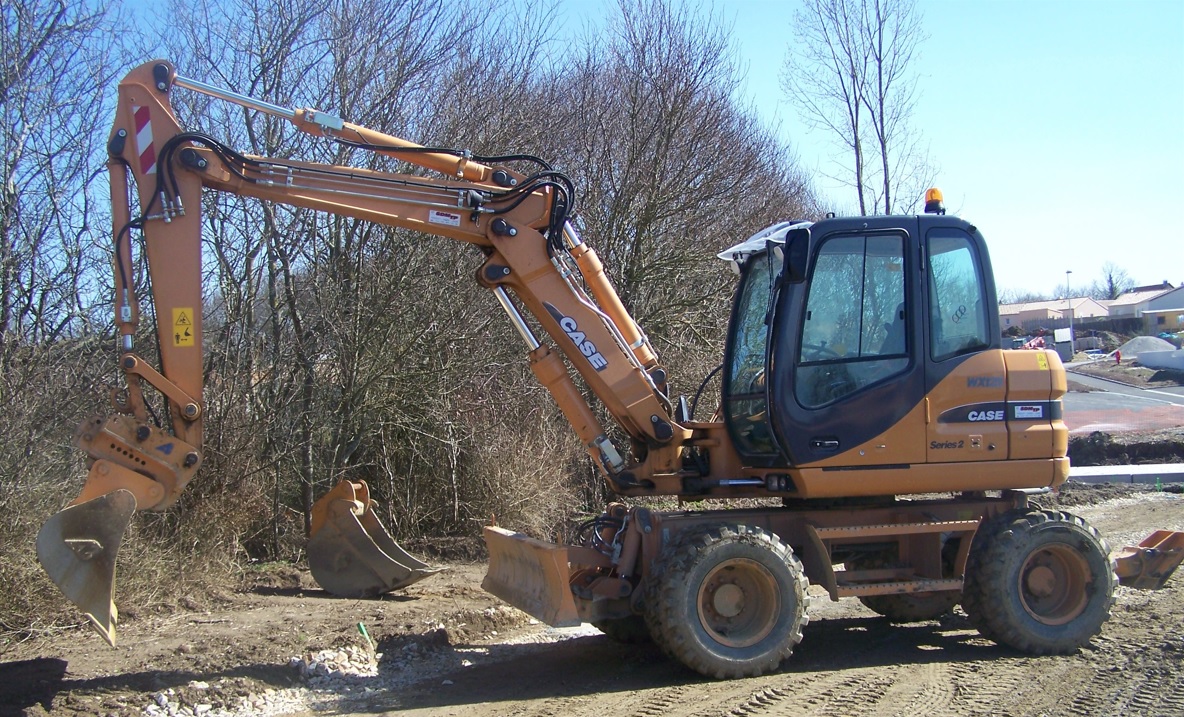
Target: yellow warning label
(183,332)
(1042,361)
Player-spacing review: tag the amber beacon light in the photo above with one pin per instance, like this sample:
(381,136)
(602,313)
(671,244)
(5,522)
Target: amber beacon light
(934,202)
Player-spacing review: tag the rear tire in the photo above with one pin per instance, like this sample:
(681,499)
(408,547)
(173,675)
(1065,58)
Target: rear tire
(912,607)
(907,607)
(630,630)
(728,601)
(1039,581)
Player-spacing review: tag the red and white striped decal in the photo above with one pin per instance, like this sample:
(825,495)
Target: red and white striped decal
(147,152)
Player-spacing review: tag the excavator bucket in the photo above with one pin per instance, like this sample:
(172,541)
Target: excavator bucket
(1148,565)
(531,575)
(351,554)
(78,546)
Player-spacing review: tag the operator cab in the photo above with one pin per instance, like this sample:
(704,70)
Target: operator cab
(840,330)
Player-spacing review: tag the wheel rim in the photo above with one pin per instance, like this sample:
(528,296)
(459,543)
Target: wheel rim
(1052,584)
(738,603)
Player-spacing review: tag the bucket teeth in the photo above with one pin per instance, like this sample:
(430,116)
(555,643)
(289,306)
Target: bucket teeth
(78,547)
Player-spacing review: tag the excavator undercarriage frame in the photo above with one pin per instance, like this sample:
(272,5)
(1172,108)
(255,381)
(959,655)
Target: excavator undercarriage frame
(604,578)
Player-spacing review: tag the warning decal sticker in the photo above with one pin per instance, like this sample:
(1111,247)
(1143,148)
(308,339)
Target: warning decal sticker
(183,331)
(143,118)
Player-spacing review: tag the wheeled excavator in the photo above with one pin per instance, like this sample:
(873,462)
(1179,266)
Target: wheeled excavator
(864,390)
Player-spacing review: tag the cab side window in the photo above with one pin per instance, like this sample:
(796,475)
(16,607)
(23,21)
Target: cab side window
(855,328)
(957,316)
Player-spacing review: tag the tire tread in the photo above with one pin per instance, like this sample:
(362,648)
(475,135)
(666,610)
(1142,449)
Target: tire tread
(997,613)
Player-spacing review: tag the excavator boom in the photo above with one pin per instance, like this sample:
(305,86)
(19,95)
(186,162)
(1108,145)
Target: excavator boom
(533,260)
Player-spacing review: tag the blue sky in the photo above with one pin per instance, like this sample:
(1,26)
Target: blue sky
(1057,126)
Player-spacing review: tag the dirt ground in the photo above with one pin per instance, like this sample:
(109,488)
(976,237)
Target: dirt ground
(448,648)
(1129,372)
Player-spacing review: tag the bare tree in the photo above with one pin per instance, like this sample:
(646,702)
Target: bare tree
(58,59)
(850,73)
(1113,283)
(48,163)
(1021,296)
(671,168)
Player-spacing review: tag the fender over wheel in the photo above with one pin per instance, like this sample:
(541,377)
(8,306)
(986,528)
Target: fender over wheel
(727,600)
(1040,581)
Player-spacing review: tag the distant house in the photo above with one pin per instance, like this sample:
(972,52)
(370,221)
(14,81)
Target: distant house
(1133,303)
(1048,314)
(1165,312)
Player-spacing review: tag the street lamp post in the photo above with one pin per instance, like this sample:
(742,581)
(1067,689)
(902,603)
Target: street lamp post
(1069,303)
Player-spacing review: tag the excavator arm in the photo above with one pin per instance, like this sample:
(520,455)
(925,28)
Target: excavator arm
(533,260)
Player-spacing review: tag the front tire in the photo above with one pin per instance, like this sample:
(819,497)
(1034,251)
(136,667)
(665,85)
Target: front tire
(1039,581)
(728,601)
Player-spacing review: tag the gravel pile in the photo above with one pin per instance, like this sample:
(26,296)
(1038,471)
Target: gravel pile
(200,699)
(327,675)
(1144,343)
(327,665)
(215,702)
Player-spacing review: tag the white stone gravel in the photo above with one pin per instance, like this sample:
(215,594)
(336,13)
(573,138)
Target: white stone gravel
(332,678)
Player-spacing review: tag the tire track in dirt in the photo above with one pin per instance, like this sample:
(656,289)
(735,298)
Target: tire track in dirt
(1171,696)
(548,708)
(1102,695)
(667,702)
(1110,691)
(1152,696)
(841,693)
(994,683)
(855,694)
(787,696)
(736,698)
(762,701)
(929,693)
(819,693)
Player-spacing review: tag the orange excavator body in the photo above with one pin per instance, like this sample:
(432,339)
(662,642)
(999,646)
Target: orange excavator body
(863,367)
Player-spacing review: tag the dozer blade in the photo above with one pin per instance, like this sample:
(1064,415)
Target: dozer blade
(78,546)
(1148,565)
(351,555)
(531,575)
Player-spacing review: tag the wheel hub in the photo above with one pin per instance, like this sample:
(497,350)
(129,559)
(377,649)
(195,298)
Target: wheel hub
(1052,584)
(728,600)
(738,602)
(1041,581)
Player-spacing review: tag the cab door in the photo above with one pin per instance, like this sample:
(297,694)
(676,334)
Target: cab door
(965,377)
(848,379)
